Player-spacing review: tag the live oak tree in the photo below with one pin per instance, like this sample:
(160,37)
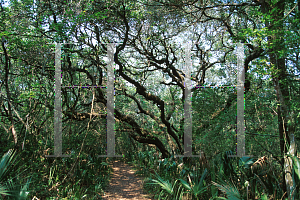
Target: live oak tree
(151,38)
(267,28)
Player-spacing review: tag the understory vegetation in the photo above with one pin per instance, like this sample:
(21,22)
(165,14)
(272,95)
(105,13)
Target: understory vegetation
(86,82)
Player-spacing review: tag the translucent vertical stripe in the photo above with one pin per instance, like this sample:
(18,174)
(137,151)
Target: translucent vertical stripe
(110,101)
(240,101)
(187,104)
(57,105)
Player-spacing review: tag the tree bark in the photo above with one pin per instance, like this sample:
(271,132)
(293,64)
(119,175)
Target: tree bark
(279,77)
(8,92)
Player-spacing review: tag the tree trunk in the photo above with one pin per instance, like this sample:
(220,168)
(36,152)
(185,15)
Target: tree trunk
(7,63)
(279,76)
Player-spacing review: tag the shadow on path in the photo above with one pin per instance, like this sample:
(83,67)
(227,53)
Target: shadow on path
(124,184)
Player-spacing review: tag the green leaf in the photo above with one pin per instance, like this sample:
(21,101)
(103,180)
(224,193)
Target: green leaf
(296,164)
(185,184)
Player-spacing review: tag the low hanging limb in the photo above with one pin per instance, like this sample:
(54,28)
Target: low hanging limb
(7,63)
(276,157)
(88,126)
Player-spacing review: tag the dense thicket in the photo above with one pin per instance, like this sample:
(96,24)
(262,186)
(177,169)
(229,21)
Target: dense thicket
(152,38)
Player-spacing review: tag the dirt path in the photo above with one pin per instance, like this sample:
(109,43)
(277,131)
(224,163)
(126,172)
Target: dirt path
(124,184)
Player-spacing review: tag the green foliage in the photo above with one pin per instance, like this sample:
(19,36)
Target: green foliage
(229,189)
(10,182)
(196,187)
(28,28)
(168,189)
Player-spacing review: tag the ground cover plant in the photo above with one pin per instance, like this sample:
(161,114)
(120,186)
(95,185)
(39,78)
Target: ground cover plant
(130,78)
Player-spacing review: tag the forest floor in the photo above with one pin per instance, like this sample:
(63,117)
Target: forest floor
(124,184)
